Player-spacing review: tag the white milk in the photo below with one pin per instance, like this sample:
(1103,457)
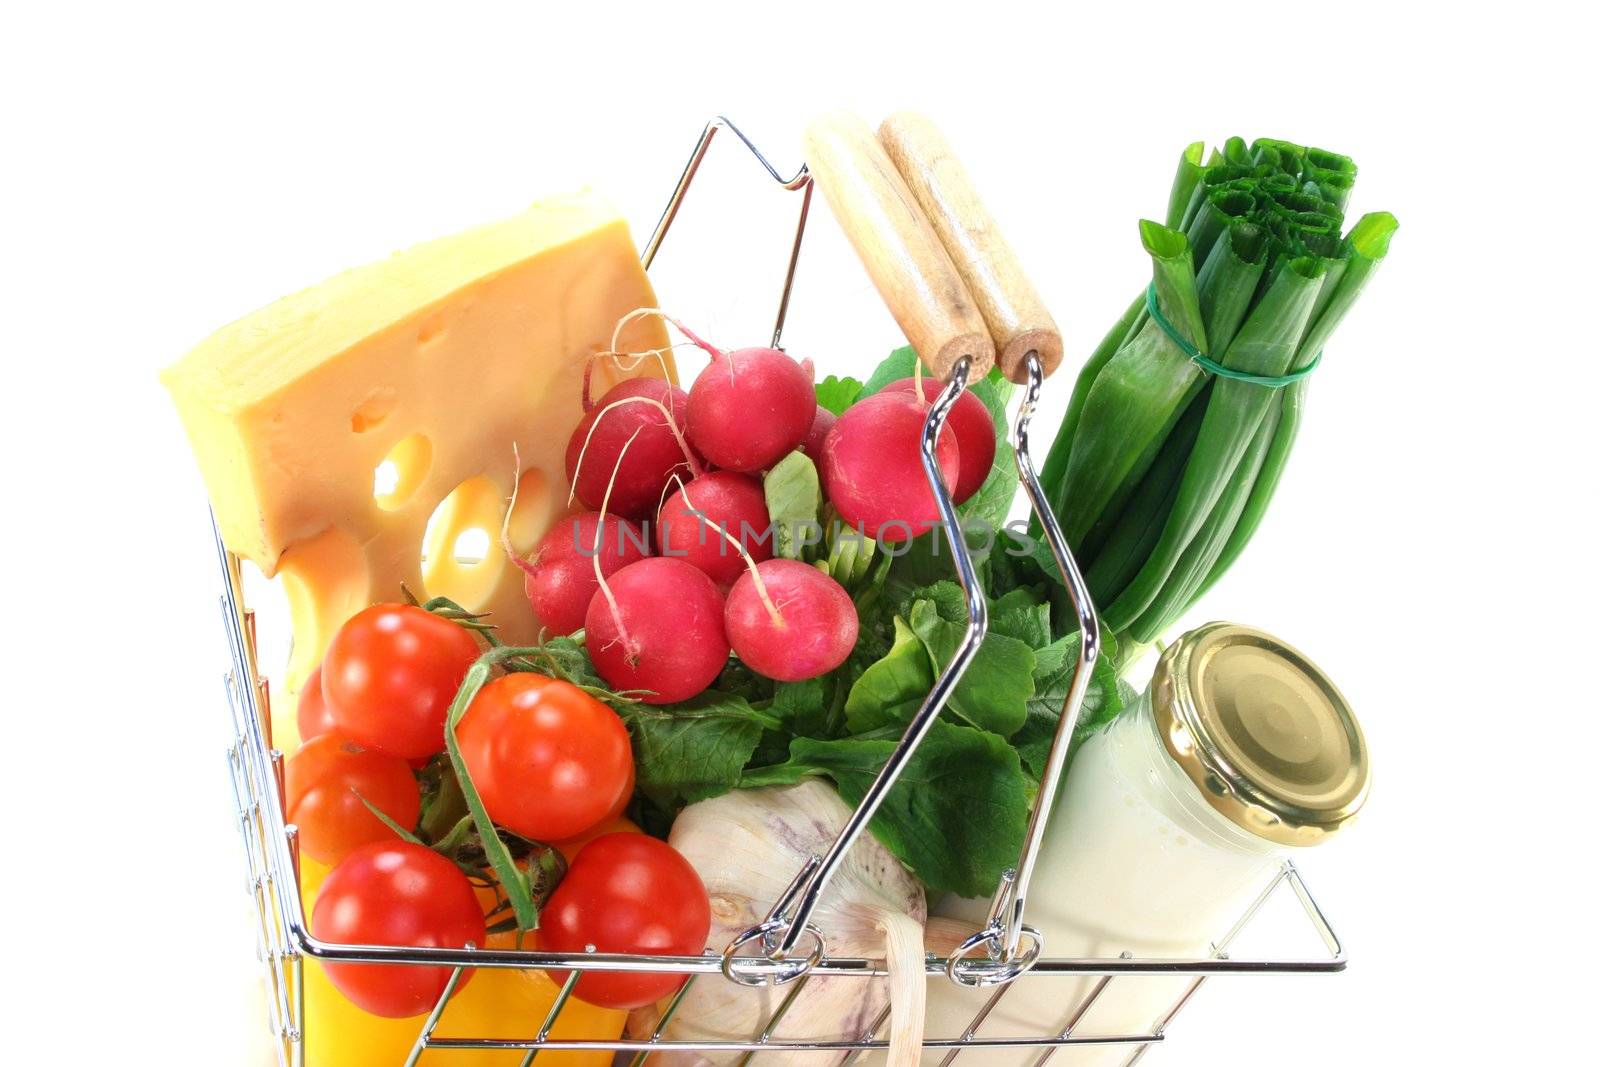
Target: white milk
(1134,860)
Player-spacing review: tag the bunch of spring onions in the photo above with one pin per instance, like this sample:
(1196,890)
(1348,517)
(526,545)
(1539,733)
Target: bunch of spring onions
(1182,420)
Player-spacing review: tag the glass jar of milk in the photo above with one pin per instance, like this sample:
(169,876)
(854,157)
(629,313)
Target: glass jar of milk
(1171,821)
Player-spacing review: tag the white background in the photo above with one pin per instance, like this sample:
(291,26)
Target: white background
(168,170)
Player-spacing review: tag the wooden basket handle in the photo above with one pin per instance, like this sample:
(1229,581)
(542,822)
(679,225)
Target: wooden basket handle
(903,255)
(1016,317)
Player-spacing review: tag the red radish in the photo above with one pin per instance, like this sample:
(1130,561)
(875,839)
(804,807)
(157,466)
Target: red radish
(974,430)
(659,451)
(561,577)
(750,408)
(656,625)
(788,621)
(820,425)
(871,467)
(706,521)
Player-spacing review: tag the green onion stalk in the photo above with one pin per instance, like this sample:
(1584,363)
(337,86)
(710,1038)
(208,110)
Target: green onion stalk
(1183,418)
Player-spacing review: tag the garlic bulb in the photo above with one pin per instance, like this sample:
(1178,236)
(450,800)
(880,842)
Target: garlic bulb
(747,846)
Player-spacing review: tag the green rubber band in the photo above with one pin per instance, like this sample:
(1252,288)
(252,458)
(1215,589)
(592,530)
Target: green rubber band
(1205,362)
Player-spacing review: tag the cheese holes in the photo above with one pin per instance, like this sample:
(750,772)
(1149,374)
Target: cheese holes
(461,556)
(373,410)
(398,476)
(471,547)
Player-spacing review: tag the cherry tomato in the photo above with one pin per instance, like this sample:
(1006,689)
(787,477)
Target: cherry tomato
(549,760)
(498,1002)
(313,716)
(627,893)
(390,675)
(325,783)
(396,893)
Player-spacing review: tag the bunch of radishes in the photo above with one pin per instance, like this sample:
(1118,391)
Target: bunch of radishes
(663,624)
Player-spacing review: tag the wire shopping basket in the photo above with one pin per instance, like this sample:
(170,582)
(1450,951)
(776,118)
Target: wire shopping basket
(786,948)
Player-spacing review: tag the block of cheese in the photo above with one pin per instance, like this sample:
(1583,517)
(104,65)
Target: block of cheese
(332,426)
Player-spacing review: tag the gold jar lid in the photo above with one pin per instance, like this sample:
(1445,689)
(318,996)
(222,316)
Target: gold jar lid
(1264,734)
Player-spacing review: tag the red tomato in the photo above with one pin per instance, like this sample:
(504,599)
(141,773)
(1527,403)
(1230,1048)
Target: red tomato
(313,715)
(396,893)
(325,782)
(390,675)
(627,893)
(549,760)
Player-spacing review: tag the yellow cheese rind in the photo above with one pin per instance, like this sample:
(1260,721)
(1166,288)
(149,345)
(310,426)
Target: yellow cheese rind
(447,358)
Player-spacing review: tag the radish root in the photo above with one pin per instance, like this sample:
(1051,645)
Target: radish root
(639,313)
(627,362)
(694,339)
(523,565)
(629,649)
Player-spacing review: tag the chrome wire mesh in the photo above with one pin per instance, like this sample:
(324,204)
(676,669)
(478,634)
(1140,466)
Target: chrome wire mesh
(284,941)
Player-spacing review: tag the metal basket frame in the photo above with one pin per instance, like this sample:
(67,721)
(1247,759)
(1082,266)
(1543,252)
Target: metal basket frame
(284,939)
